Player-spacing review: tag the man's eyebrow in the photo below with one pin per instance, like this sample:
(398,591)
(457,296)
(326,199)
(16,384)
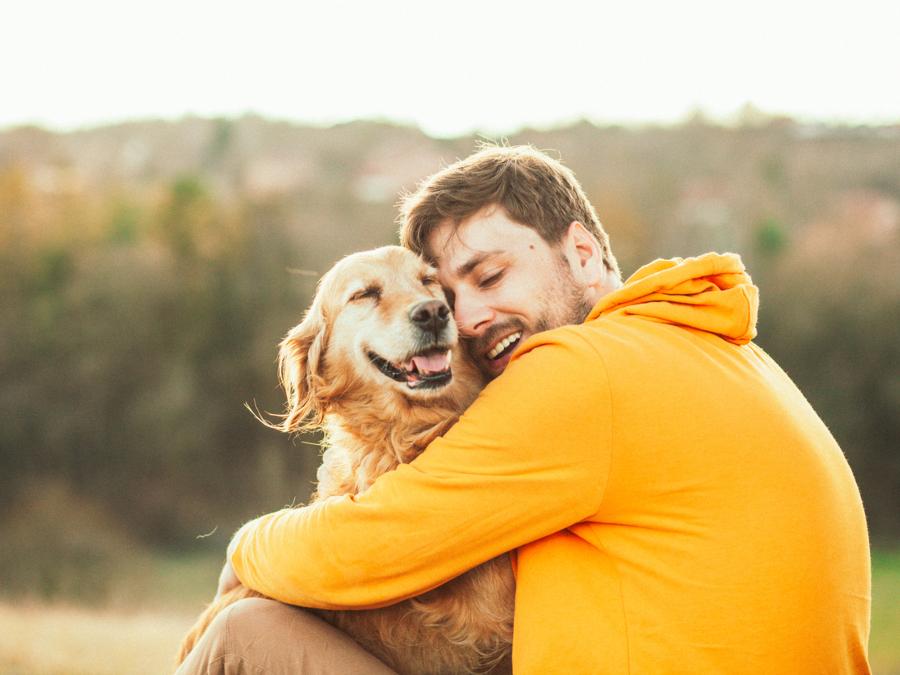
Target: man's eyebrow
(466,268)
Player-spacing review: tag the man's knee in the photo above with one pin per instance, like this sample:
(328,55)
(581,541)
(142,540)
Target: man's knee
(239,637)
(251,616)
(250,628)
(258,635)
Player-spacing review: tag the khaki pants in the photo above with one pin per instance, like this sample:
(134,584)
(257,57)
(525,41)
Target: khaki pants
(258,635)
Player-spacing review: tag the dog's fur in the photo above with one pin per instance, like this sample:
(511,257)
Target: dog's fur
(373,422)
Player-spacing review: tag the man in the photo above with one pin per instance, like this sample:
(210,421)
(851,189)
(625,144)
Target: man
(675,504)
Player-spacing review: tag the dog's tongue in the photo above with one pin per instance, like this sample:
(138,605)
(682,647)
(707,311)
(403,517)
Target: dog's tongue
(432,363)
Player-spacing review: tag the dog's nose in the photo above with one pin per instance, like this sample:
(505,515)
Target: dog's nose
(431,315)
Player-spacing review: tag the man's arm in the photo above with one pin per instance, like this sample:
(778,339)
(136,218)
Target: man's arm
(529,458)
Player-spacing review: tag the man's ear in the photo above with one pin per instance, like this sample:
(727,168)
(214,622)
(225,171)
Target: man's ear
(585,257)
(300,362)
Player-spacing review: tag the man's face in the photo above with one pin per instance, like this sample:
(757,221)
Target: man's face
(504,283)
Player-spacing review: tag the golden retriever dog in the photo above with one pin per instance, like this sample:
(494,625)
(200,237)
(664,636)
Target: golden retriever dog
(370,365)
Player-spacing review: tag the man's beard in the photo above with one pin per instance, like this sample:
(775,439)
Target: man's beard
(562,303)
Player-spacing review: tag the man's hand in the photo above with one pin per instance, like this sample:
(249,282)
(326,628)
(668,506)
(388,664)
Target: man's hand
(227,580)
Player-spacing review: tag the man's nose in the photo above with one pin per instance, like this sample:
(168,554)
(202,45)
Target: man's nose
(472,317)
(431,316)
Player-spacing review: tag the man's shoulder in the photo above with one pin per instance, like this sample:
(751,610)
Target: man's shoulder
(592,339)
(568,354)
(550,375)
(573,339)
(609,345)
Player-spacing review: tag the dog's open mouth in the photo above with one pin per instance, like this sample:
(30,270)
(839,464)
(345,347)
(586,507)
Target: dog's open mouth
(428,370)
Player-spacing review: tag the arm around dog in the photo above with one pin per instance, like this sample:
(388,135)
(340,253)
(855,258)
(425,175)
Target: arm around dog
(529,458)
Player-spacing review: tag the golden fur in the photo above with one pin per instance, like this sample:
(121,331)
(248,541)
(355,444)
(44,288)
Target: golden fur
(372,424)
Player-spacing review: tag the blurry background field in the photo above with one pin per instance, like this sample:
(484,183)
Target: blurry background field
(157,240)
(139,633)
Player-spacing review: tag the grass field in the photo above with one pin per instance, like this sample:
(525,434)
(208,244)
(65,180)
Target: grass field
(61,640)
(884,647)
(67,640)
(137,631)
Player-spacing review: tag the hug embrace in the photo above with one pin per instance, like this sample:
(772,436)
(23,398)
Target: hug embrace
(533,466)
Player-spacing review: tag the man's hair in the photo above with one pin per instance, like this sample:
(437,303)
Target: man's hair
(535,191)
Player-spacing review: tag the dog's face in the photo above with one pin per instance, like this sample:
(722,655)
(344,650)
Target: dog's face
(390,322)
(379,323)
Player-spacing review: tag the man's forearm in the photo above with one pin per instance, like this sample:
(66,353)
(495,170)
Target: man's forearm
(344,555)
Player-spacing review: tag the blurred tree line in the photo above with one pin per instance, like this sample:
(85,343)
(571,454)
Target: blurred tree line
(149,269)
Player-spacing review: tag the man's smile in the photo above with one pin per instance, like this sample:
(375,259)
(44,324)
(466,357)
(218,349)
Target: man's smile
(503,345)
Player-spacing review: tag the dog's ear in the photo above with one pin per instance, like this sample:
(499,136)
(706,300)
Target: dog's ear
(300,366)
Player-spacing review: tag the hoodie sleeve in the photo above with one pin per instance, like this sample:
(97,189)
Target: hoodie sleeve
(530,457)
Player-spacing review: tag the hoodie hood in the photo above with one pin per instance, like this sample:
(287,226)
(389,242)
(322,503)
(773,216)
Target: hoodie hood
(712,293)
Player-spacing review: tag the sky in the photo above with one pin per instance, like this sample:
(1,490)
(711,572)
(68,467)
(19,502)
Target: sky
(451,67)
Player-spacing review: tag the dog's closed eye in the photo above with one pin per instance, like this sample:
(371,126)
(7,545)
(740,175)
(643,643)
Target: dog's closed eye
(368,293)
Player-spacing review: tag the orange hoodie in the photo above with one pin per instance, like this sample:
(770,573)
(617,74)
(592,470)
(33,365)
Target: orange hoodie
(676,504)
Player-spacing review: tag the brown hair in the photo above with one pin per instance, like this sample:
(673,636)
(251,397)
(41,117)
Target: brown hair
(535,191)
